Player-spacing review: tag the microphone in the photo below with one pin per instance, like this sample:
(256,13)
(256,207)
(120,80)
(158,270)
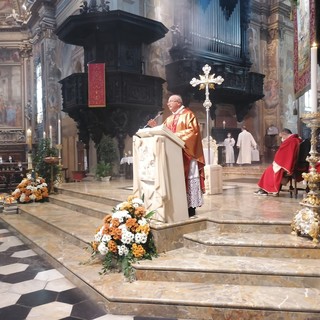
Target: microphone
(156,117)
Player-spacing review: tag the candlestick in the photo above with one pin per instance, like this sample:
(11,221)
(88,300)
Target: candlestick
(314,72)
(59,131)
(50,135)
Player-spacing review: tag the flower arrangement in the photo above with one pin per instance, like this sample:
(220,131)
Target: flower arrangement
(31,189)
(125,237)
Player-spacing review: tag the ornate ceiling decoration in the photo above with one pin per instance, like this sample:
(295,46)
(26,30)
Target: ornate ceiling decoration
(13,13)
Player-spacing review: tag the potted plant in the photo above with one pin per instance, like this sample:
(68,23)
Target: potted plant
(106,155)
(103,171)
(46,169)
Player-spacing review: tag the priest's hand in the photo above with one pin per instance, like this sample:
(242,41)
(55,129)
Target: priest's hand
(152,123)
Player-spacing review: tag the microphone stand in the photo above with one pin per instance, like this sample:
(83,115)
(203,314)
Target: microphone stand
(156,117)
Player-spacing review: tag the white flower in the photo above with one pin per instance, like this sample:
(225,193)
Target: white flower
(140,237)
(123,250)
(142,221)
(32,197)
(127,237)
(98,236)
(121,215)
(136,202)
(29,176)
(106,238)
(23,197)
(103,249)
(119,206)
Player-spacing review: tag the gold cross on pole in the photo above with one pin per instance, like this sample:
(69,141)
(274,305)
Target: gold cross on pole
(207,82)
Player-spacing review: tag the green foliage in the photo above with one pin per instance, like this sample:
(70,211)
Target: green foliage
(103,170)
(42,168)
(106,150)
(106,155)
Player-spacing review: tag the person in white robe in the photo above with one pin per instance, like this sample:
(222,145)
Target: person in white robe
(229,143)
(245,144)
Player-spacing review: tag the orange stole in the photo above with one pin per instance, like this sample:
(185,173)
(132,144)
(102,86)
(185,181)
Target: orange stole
(186,127)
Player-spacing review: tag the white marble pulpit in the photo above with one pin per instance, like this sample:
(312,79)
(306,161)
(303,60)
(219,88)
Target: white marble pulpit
(158,173)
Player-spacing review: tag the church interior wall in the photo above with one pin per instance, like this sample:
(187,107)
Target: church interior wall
(270,36)
(288,115)
(276,40)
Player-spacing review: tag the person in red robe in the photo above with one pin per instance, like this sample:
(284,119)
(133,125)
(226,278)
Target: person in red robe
(184,124)
(284,161)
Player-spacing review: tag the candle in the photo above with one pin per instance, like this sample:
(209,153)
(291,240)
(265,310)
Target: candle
(314,72)
(59,131)
(50,135)
(44,134)
(224,124)
(29,138)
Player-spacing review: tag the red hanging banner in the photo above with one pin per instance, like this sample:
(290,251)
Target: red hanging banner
(96,85)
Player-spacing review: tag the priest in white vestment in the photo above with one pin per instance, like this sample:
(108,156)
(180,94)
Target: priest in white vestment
(245,144)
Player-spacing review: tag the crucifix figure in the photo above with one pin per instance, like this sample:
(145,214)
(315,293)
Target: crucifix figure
(207,82)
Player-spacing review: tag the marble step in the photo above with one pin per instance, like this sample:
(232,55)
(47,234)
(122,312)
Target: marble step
(212,241)
(250,226)
(65,222)
(175,299)
(91,208)
(245,171)
(221,301)
(77,227)
(184,265)
(90,196)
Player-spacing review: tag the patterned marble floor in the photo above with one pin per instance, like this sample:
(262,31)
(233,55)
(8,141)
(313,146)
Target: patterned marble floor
(31,289)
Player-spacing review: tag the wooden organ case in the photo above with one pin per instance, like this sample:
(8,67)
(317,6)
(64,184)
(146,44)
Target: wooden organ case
(214,32)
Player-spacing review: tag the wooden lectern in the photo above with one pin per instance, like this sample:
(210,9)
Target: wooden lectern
(158,173)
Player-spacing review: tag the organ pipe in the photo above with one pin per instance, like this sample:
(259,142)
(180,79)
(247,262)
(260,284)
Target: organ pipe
(213,30)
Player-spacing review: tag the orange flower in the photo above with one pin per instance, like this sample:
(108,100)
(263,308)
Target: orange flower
(112,246)
(115,222)
(140,212)
(106,229)
(17,195)
(94,245)
(45,194)
(115,233)
(131,222)
(138,251)
(107,218)
(126,206)
(145,229)
(130,198)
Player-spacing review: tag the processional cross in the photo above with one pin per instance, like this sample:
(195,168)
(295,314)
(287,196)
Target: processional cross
(207,82)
